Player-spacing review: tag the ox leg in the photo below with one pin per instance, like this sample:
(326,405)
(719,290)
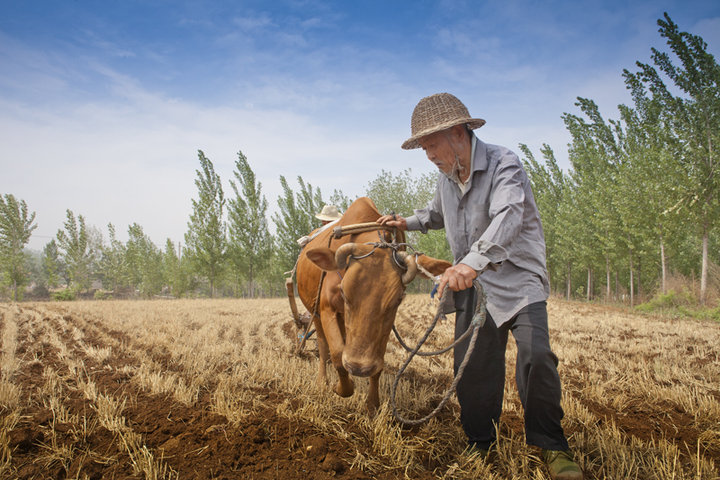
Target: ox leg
(336,344)
(373,398)
(345,386)
(324,356)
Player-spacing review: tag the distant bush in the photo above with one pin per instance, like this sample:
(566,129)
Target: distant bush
(102,295)
(669,301)
(64,295)
(679,304)
(39,291)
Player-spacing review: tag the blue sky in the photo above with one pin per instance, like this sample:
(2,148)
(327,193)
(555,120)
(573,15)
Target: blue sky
(104,105)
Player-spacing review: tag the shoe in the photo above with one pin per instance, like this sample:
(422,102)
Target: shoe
(561,465)
(474,450)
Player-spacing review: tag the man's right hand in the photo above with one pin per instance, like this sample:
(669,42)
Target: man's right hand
(393,221)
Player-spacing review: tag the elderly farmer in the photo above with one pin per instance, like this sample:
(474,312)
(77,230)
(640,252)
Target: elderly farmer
(484,202)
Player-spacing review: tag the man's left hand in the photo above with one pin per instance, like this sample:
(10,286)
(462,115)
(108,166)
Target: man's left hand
(458,277)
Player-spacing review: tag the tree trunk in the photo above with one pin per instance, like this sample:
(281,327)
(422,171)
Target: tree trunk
(568,282)
(617,285)
(251,281)
(663,286)
(632,281)
(704,271)
(588,295)
(607,279)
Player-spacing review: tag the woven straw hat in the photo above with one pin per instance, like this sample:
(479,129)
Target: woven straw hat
(435,113)
(329,213)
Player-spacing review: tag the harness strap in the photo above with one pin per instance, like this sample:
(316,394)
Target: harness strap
(339,232)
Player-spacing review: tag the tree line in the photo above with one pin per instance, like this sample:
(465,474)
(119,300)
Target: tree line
(227,250)
(639,203)
(642,197)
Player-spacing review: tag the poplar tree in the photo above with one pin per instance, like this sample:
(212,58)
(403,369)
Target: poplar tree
(695,119)
(295,219)
(51,265)
(205,239)
(73,243)
(549,184)
(340,200)
(594,156)
(16,227)
(113,265)
(144,262)
(176,270)
(250,243)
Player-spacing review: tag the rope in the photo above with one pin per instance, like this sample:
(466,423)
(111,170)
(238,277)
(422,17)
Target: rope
(477,322)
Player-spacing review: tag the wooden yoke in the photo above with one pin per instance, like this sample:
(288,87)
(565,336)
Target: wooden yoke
(341,231)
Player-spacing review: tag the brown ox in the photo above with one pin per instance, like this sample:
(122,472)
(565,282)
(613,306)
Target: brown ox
(360,295)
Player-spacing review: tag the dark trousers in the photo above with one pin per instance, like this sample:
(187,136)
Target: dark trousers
(480,391)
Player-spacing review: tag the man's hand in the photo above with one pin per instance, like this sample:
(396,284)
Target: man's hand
(393,221)
(458,277)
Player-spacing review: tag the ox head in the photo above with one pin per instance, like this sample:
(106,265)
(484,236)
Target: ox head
(372,287)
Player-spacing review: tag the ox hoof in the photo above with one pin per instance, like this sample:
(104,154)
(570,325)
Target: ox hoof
(345,390)
(372,409)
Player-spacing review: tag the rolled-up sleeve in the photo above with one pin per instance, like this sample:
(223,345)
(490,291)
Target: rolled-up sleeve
(428,218)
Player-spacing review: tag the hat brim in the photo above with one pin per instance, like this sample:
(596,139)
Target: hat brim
(327,217)
(414,141)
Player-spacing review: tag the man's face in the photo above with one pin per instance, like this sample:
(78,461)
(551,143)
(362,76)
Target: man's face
(438,149)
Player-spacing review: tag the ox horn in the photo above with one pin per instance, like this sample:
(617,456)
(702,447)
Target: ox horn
(342,254)
(412,269)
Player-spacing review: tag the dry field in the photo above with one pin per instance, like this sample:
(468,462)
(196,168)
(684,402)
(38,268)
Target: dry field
(209,389)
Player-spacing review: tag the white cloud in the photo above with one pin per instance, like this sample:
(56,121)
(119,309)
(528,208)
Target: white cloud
(133,158)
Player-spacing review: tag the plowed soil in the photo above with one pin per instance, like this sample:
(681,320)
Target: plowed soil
(56,349)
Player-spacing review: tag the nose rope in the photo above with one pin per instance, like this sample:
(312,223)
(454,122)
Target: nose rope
(392,245)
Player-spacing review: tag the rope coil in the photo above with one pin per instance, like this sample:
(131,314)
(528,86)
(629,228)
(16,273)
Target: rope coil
(477,322)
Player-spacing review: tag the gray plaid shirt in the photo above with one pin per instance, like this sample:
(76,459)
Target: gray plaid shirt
(494,227)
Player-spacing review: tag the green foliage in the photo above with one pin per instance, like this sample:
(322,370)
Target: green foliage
(144,262)
(51,266)
(205,239)
(16,226)
(669,300)
(295,219)
(340,200)
(102,295)
(683,304)
(693,123)
(250,244)
(65,295)
(177,271)
(74,246)
(550,188)
(113,267)
(402,193)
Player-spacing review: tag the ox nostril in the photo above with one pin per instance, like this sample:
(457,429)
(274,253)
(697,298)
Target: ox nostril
(358,370)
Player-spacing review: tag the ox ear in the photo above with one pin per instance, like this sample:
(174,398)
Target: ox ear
(432,265)
(323,257)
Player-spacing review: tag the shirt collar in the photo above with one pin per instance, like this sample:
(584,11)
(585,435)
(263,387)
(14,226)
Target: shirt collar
(464,186)
(479,161)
